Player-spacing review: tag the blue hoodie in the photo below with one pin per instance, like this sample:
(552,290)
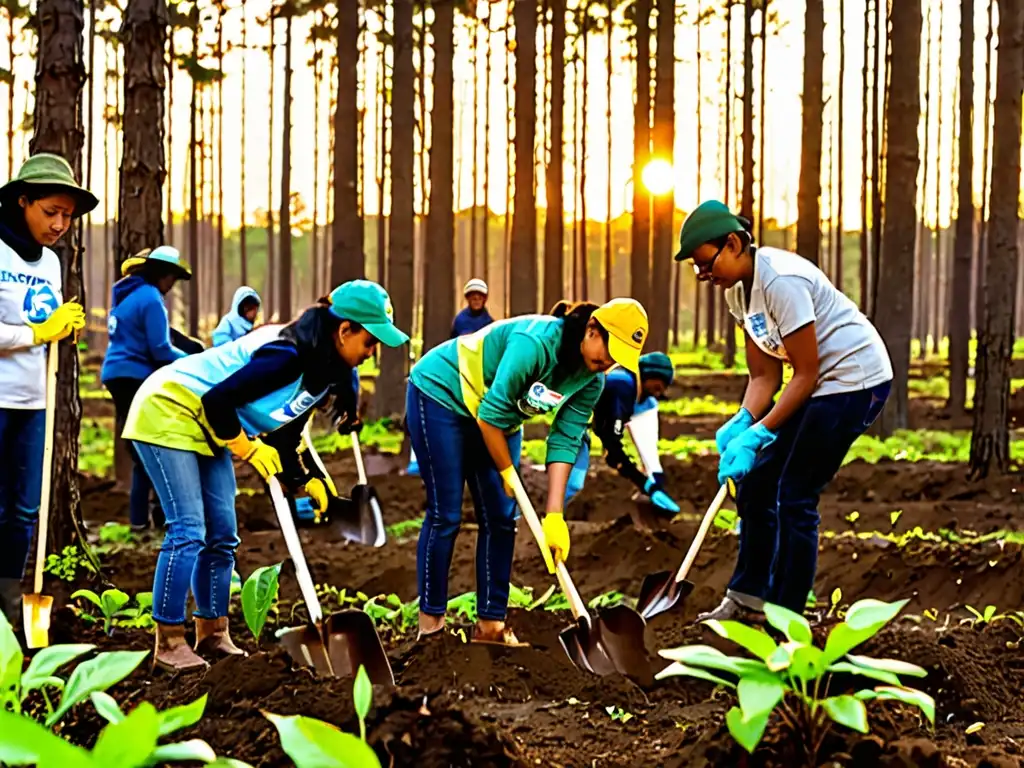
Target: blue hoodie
(139,331)
(468,321)
(233,326)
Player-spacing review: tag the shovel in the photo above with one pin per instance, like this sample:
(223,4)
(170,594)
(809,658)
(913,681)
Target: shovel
(343,642)
(614,642)
(660,592)
(367,504)
(36,607)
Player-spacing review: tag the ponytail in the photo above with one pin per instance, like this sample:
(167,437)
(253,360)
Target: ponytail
(577,317)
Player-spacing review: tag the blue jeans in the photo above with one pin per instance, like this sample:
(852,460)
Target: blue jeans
(578,474)
(22,433)
(197,494)
(451,451)
(778,500)
(122,392)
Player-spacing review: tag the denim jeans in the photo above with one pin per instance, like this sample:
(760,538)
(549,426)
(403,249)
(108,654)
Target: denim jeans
(122,392)
(451,451)
(198,497)
(778,500)
(22,433)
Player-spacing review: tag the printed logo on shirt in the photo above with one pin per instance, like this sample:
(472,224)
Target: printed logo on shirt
(298,406)
(40,302)
(20,277)
(111,325)
(539,399)
(759,325)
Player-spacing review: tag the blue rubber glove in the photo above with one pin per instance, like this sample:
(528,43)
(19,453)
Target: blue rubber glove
(739,457)
(733,427)
(661,500)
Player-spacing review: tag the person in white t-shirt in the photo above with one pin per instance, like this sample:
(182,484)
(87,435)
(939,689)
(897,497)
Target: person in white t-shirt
(36,210)
(782,453)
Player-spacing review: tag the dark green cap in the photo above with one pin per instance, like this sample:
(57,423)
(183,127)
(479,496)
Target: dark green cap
(656,365)
(366,303)
(708,221)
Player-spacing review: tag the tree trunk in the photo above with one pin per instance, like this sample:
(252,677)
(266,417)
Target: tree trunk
(698,287)
(729,358)
(664,205)
(485,238)
(865,152)
(243,251)
(524,218)
(838,274)
(437,315)
(474,254)
(936,260)
(285,264)
(982,255)
(747,198)
(554,221)
(193,164)
(608,291)
(896,275)
(990,440)
(640,257)
(584,294)
(763,170)
(382,154)
(57,127)
(921,272)
(808,201)
(269,298)
(394,362)
(314,232)
(876,153)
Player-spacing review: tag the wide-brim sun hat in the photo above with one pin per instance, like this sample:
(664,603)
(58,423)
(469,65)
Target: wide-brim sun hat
(627,326)
(45,169)
(367,303)
(164,254)
(708,221)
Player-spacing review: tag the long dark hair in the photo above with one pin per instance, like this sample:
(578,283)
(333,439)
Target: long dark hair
(577,317)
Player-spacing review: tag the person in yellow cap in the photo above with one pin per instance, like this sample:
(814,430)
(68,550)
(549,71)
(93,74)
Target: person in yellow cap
(37,208)
(465,405)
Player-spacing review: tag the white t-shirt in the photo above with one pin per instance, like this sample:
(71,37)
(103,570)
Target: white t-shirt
(789,292)
(29,292)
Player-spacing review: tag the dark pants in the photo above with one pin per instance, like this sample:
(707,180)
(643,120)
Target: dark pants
(778,500)
(122,391)
(451,451)
(22,433)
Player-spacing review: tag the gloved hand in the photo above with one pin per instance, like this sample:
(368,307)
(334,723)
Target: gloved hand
(556,532)
(320,491)
(733,427)
(510,480)
(739,457)
(264,458)
(654,488)
(62,322)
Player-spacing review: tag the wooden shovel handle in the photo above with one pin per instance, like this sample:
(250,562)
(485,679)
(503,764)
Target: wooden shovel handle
(291,540)
(44,494)
(357,452)
(312,451)
(702,532)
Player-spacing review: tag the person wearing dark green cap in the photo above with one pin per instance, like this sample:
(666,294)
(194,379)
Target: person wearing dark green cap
(782,454)
(37,208)
(190,417)
(624,405)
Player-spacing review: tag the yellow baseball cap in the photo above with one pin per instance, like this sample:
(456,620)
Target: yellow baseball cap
(626,323)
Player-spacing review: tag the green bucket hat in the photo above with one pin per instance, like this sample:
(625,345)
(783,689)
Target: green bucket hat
(708,221)
(51,170)
(366,303)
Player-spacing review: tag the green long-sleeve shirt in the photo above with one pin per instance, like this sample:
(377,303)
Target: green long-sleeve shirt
(494,368)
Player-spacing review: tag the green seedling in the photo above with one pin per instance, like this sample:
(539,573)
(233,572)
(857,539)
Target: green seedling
(464,605)
(406,529)
(259,595)
(112,604)
(362,698)
(312,743)
(834,609)
(618,714)
(607,600)
(983,618)
(117,535)
(792,679)
(66,565)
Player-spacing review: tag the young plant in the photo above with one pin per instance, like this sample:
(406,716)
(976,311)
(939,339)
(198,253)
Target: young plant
(618,714)
(983,618)
(66,565)
(312,743)
(112,604)
(793,678)
(362,698)
(259,593)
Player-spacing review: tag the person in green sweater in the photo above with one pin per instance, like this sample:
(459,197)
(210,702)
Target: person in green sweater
(465,405)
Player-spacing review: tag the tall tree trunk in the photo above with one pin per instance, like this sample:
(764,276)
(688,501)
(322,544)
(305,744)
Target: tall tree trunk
(269,298)
(608,292)
(524,219)
(936,260)
(664,205)
(698,287)
(57,127)
(896,275)
(640,257)
(314,232)
(394,362)
(747,199)
(485,245)
(507,242)
(963,247)
(729,357)
(921,314)
(808,200)
(243,250)
(382,153)
(990,440)
(763,170)
(474,254)
(286,264)
(437,317)
(554,221)
(219,117)
(12,80)
(986,175)
(838,275)
(865,152)
(584,294)
(877,132)
(193,164)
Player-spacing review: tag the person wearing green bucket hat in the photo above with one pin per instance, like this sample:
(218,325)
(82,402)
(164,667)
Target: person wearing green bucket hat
(36,210)
(190,417)
(782,453)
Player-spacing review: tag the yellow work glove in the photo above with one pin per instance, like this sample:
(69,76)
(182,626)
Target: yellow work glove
(556,532)
(320,491)
(62,322)
(264,458)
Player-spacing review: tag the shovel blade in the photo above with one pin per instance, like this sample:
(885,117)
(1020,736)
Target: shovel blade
(660,592)
(352,641)
(369,519)
(620,633)
(35,614)
(581,646)
(306,647)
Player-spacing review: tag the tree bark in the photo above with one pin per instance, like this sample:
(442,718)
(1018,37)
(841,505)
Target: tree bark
(990,440)
(608,290)
(838,273)
(554,222)
(664,205)
(285,263)
(876,153)
(243,251)
(270,297)
(979,280)
(921,271)
(808,200)
(640,257)
(865,153)
(896,270)
(193,164)
(523,253)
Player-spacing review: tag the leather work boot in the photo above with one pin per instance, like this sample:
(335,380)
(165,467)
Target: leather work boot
(173,652)
(212,638)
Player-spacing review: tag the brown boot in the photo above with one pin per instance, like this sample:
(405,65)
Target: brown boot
(172,652)
(212,638)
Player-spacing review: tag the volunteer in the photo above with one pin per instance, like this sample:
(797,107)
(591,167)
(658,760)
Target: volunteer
(245,306)
(37,208)
(783,454)
(474,315)
(625,405)
(465,405)
(188,419)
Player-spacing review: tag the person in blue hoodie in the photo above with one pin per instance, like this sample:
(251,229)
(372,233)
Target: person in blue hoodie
(475,315)
(139,336)
(239,321)
(623,404)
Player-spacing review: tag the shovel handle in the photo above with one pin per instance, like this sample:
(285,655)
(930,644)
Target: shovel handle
(357,452)
(576,604)
(291,540)
(44,495)
(702,532)
(523,500)
(308,437)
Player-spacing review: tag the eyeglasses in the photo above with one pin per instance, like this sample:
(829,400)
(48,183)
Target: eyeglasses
(706,269)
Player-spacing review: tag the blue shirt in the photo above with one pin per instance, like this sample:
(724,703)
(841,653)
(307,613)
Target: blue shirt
(139,331)
(468,321)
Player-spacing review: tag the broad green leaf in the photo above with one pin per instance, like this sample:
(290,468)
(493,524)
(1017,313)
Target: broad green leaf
(678,668)
(312,743)
(911,696)
(49,660)
(780,658)
(792,625)
(873,613)
(107,707)
(753,640)
(26,742)
(362,693)
(759,695)
(176,718)
(145,601)
(96,674)
(747,733)
(848,711)
(11,659)
(806,662)
(89,595)
(843,639)
(113,600)
(845,667)
(894,666)
(712,658)
(195,750)
(258,595)
(129,743)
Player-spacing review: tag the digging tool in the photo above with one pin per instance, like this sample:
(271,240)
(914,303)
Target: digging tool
(36,607)
(614,642)
(339,644)
(660,592)
(367,503)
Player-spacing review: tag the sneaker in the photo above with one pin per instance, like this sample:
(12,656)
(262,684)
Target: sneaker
(729,609)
